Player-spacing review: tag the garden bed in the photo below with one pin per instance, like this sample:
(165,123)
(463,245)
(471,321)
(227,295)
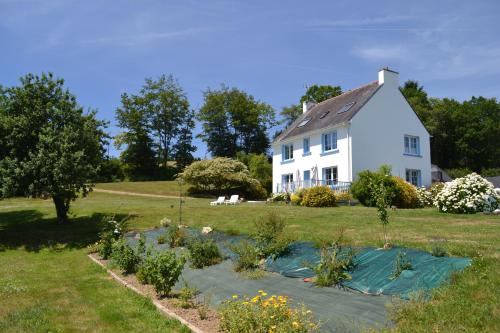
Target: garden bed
(338,309)
(168,305)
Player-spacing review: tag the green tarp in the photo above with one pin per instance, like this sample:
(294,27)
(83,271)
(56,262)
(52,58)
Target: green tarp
(340,309)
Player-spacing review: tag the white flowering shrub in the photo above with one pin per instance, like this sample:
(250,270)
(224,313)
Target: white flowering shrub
(469,194)
(424,197)
(282,196)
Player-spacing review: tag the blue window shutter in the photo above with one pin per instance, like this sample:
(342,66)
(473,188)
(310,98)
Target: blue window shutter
(334,140)
(282,152)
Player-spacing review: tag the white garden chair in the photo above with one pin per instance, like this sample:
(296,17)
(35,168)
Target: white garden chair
(219,201)
(233,200)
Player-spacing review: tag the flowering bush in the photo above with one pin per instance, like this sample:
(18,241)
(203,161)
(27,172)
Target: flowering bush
(319,196)
(282,196)
(469,194)
(264,314)
(424,197)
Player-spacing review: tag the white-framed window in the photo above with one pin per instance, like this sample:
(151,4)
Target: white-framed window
(287,152)
(306,146)
(414,177)
(412,145)
(330,175)
(287,178)
(329,141)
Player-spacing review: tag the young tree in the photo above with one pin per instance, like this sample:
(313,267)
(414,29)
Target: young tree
(50,146)
(318,94)
(184,148)
(139,156)
(234,121)
(167,108)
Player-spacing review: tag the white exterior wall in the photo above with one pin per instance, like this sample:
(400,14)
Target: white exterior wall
(378,131)
(339,158)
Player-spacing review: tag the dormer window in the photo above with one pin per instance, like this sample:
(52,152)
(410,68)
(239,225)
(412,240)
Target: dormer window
(304,122)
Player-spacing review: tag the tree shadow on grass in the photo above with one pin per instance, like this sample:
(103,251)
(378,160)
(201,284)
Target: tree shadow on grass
(28,229)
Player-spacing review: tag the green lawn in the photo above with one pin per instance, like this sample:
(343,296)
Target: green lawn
(160,187)
(50,279)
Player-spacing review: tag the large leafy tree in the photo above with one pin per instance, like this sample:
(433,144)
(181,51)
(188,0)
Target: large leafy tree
(319,93)
(158,124)
(463,134)
(50,146)
(139,156)
(234,121)
(315,94)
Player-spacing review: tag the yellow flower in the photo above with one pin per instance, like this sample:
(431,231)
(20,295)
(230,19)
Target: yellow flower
(308,311)
(235,296)
(260,291)
(245,303)
(295,324)
(264,294)
(255,299)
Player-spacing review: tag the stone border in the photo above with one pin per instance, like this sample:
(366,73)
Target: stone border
(156,303)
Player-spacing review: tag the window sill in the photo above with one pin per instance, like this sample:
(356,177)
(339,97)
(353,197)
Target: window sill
(413,155)
(306,154)
(330,152)
(288,161)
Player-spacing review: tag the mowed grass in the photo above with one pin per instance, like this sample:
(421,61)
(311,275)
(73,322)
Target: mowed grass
(170,188)
(468,304)
(47,283)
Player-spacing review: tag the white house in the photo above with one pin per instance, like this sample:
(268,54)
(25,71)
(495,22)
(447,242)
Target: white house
(332,141)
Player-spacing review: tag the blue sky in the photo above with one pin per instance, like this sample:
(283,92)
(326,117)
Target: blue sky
(271,49)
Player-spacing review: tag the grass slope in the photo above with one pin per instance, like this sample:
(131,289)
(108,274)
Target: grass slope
(61,276)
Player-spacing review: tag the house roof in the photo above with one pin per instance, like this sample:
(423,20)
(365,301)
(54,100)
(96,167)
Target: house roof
(326,114)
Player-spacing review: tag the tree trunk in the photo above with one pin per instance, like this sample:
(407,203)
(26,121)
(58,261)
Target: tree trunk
(61,209)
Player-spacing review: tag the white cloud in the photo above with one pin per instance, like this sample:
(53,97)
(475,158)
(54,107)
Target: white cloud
(367,21)
(378,53)
(141,38)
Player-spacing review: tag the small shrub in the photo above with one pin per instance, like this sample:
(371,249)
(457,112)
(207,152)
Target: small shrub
(141,244)
(401,264)
(469,194)
(247,256)
(343,196)
(124,256)
(165,222)
(176,236)
(167,269)
(265,314)
(280,197)
(297,197)
(405,194)
(438,250)
(204,307)
(424,198)
(105,246)
(146,269)
(362,187)
(162,239)
(270,237)
(319,196)
(203,252)
(335,263)
(187,296)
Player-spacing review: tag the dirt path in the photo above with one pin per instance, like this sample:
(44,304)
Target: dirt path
(139,194)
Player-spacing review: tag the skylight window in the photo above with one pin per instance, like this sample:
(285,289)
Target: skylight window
(304,122)
(324,115)
(346,107)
